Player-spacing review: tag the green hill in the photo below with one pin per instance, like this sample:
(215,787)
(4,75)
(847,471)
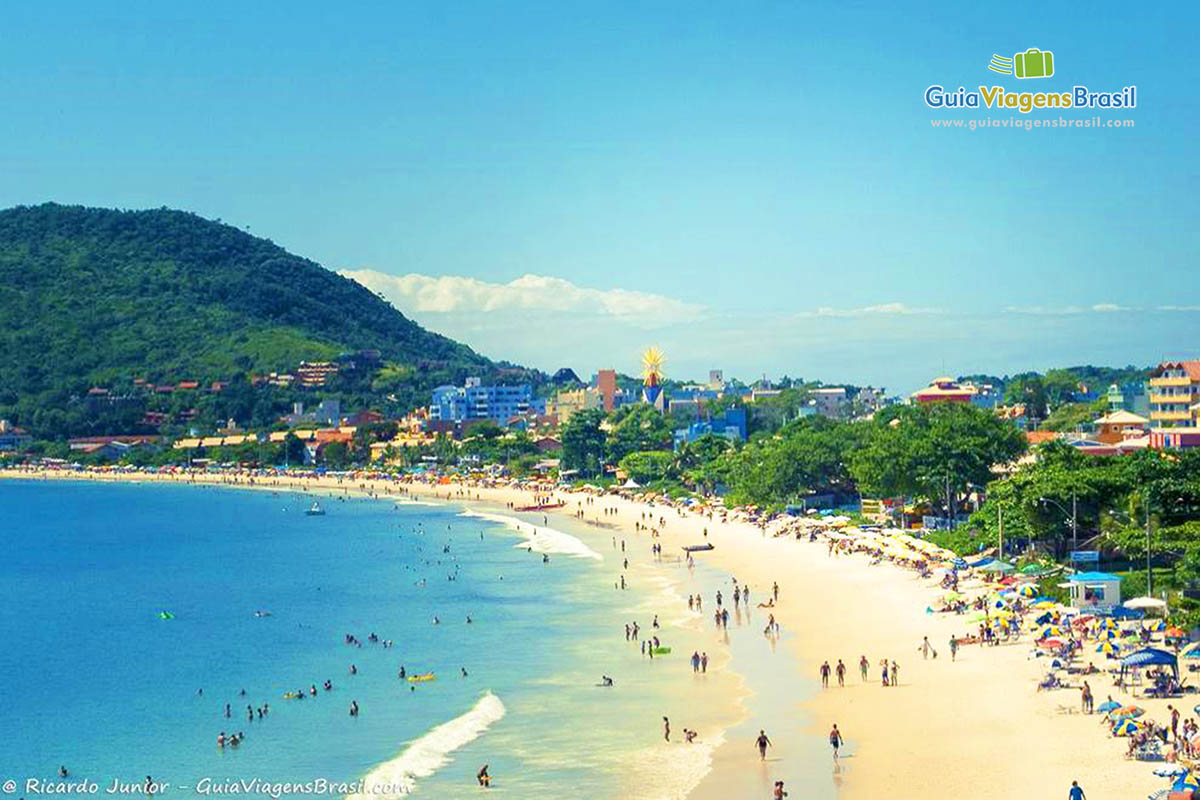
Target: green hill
(91,296)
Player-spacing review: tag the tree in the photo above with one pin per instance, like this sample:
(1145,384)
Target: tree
(635,428)
(335,455)
(648,466)
(936,452)
(583,442)
(1030,390)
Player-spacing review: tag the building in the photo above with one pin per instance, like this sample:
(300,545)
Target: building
(1130,397)
(327,412)
(1174,389)
(13,438)
(1117,426)
(567,404)
(474,401)
(830,401)
(314,374)
(945,390)
(986,395)
(716,379)
(606,385)
(1175,404)
(731,425)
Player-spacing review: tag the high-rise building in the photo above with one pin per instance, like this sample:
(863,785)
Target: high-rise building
(606,384)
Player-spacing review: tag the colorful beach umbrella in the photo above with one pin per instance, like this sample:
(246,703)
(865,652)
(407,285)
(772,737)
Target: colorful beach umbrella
(1041,605)
(1050,644)
(1108,624)
(1108,649)
(1028,590)
(1111,705)
(1129,711)
(1127,727)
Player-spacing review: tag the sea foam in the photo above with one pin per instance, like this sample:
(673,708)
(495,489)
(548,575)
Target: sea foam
(395,779)
(540,538)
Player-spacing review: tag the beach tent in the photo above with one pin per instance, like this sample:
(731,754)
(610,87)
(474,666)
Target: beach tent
(998,566)
(1150,656)
(1145,603)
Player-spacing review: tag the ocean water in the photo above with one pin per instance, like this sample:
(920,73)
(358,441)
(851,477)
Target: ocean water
(94,679)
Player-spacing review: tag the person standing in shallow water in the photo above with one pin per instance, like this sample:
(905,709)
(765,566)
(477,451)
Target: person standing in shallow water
(666,729)
(762,743)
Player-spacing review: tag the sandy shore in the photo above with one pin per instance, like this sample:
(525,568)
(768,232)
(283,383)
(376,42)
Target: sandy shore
(974,727)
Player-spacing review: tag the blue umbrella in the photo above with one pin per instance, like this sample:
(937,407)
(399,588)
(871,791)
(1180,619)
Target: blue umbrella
(1113,705)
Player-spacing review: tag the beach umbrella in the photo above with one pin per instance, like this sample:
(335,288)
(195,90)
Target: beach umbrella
(1027,590)
(1107,624)
(1129,711)
(1111,705)
(1108,648)
(1191,651)
(1157,627)
(1041,605)
(1050,644)
(1175,632)
(1170,771)
(1049,630)
(1127,727)
(1110,635)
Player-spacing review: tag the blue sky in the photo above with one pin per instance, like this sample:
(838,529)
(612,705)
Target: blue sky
(755,187)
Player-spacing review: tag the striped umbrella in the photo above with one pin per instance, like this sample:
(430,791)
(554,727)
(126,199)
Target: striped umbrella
(1129,711)
(1127,727)
(1108,648)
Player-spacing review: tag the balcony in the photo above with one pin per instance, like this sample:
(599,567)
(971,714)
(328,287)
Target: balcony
(1181,381)
(1171,416)
(1156,398)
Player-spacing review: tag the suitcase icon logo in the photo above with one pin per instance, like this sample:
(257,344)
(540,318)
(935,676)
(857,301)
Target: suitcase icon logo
(1033,63)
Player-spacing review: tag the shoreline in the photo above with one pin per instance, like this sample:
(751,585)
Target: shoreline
(941,733)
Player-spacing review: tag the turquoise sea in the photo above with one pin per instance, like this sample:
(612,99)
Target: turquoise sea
(95,680)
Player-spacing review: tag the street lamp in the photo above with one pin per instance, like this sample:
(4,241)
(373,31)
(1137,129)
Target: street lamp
(1149,572)
(1073,514)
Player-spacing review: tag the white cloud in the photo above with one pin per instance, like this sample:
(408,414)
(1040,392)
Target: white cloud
(883,309)
(1044,310)
(1178,308)
(1065,310)
(453,294)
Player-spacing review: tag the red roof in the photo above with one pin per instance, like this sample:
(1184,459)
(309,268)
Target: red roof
(1040,437)
(1192,368)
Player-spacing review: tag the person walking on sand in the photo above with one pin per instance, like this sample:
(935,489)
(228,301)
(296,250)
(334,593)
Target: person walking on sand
(666,729)
(775,590)
(841,673)
(762,743)
(884,667)
(835,740)
(695,661)
(704,663)
(953,648)
(1076,793)
(925,648)
(825,675)
(864,667)
(1085,698)
(895,673)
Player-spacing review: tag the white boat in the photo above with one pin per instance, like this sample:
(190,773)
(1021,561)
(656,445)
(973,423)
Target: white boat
(315,510)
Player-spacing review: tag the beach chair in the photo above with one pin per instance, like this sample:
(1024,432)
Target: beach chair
(1150,751)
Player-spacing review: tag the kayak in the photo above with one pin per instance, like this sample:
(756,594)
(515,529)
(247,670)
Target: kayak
(662,651)
(428,676)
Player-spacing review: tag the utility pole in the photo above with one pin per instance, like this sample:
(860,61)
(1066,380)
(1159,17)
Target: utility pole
(1000,518)
(1074,521)
(1149,574)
